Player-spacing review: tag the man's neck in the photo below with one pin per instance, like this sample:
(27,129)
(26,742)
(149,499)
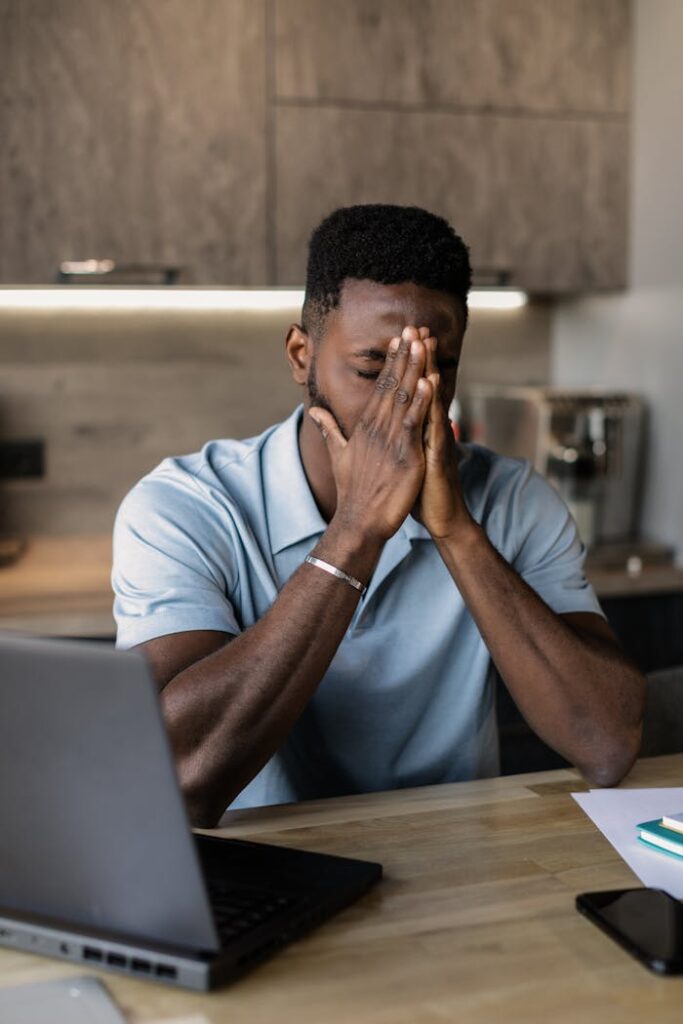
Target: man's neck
(316,464)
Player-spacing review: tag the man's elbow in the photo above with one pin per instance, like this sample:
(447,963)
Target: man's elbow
(614,760)
(205,800)
(201,816)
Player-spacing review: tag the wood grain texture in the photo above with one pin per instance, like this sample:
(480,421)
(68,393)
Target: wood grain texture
(533,55)
(543,197)
(474,919)
(133,130)
(113,395)
(109,426)
(60,587)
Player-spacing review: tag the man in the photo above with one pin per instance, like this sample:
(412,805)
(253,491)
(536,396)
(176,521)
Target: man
(281,678)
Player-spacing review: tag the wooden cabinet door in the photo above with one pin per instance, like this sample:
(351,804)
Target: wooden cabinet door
(133,130)
(509,117)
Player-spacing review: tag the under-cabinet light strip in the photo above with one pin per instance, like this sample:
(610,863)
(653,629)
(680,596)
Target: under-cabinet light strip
(209,300)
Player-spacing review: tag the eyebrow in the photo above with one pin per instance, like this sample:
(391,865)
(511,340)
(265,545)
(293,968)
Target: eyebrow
(375,355)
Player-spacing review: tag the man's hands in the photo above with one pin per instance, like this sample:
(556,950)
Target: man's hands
(379,471)
(402,456)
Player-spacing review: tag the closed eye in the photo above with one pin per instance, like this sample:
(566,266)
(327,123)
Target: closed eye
(369,374)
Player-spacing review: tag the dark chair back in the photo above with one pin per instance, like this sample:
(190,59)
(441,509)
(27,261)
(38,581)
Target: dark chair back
(663,725)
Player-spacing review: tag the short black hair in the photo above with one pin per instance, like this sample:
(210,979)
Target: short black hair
(383,243)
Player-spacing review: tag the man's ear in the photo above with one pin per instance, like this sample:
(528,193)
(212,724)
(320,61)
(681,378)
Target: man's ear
(299,348)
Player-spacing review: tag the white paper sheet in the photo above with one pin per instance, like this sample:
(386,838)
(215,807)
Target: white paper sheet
(616,812)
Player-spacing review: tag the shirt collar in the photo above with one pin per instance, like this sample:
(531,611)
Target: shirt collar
(292,512)
(290,506)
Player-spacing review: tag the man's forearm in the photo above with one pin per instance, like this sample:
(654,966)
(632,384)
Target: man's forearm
(579,693)
(228,713)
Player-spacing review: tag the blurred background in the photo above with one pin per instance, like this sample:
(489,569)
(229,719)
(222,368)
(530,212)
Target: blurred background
(162,165)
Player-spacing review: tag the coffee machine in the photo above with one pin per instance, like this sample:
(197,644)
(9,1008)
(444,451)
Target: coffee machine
(588,443)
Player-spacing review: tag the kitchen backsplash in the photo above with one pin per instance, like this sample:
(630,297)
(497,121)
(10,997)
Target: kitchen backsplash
(112,393)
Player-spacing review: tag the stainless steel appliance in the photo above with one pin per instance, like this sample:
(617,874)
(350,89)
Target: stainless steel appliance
(588,443)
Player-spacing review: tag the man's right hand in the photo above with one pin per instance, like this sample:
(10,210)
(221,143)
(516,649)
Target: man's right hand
(230,706)
(380,469)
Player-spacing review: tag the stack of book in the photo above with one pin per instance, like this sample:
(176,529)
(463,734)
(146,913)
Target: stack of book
(665,833)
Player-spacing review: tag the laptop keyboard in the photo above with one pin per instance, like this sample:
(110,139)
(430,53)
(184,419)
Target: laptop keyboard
(237,911)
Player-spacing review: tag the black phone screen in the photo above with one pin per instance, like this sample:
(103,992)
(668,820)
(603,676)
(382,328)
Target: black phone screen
(646,922)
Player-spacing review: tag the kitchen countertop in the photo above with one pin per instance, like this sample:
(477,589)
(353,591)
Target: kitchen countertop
(60,586)
(657,579)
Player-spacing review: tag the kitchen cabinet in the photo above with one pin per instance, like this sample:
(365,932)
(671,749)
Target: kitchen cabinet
(544,198)
(649,627)
(215,135)
(133,130)
(541,56)
(508,118)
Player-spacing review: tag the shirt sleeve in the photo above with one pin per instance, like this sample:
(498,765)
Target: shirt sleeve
(172,562)
(549,554)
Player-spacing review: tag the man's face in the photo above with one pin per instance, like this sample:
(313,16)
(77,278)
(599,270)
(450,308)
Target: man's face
(351,353)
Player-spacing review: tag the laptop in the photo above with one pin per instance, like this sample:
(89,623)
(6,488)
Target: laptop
(98,863)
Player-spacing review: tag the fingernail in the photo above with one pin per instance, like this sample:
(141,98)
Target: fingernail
(415,348)
(393,344)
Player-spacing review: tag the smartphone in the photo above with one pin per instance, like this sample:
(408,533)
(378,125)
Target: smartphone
(646,922)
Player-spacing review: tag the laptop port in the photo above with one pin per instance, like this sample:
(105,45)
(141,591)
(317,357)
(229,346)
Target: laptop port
(90,953)
(116,960)
(164,971)
(141,965)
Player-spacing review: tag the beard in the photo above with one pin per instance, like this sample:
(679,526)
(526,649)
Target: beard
(319,398)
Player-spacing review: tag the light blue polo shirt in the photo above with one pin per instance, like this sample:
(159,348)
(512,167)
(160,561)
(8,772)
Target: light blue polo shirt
(206,541)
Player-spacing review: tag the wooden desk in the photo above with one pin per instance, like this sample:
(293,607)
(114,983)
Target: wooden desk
(474,921)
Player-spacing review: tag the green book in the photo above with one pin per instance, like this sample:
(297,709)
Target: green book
(655,834)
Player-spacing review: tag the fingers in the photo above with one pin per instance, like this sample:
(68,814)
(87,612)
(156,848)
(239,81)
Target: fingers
(393,369)
(413,372)
(396,388)
(414,391)
(430,345)
(329,428)
(414,419)
(402,369)
(430,350)
(433,420)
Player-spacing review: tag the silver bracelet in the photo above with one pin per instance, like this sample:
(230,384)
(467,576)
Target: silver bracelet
(333,571)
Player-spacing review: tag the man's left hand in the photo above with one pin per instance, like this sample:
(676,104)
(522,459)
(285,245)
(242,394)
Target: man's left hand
(440,506)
